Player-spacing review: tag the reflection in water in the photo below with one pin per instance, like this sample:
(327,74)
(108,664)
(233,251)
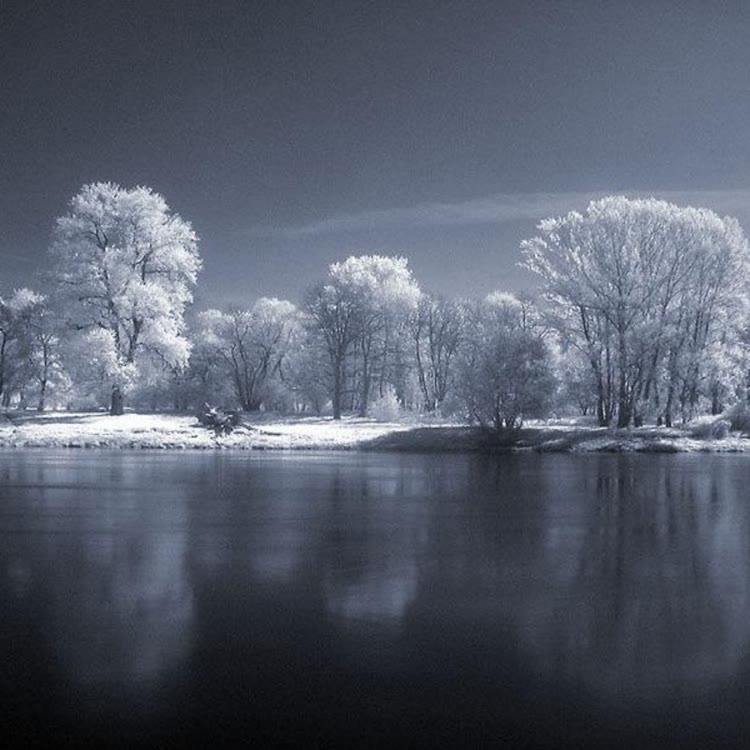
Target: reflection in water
(106,559)
(383,594)
(126,613)
(304,591)
(648,586)
(629,574)
(375,542)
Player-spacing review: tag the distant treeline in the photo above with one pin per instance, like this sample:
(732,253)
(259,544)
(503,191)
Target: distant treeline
(641,314)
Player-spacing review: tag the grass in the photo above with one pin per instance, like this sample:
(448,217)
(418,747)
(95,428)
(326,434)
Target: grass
(274,432)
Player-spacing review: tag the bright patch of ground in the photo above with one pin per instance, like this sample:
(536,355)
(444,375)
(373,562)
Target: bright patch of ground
(174,431)
(269,432)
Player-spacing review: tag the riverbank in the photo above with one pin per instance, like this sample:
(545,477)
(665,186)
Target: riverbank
(269,432)
(173,431)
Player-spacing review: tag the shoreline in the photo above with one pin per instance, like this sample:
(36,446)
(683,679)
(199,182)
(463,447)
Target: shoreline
(268,433)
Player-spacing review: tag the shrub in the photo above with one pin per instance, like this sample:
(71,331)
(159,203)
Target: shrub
(738,417)
(386,408)
(714,429)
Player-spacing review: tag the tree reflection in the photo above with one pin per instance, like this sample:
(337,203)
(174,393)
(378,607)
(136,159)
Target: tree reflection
(101,550)
(647,576)
(251,583)
(373,544)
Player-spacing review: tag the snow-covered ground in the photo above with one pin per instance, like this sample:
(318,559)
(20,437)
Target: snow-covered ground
(267,432)
(65,429)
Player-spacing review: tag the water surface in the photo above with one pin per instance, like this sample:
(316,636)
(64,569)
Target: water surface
(363,599)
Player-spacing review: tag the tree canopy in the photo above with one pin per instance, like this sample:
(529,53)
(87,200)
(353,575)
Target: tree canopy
(124,268)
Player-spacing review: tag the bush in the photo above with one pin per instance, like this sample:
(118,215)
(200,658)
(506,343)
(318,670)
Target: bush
(738,417)
(714,429)
(720,429)
(386,408)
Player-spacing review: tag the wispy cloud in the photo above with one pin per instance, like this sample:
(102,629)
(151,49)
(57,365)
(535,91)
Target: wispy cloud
(497,209)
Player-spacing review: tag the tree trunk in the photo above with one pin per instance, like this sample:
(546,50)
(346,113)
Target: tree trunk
(42,397)
(364,395)
(668,407)
(336,404)
(337,391)
(117,407)
(428,401)
(623,414)
(624,408)
(716,406)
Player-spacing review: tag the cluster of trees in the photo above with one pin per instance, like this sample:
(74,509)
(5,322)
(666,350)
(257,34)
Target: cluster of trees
(641,314)
(30,364)
(650,303)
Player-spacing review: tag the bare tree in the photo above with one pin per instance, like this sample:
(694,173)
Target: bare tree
(333,311)
(251,344)
(437,329)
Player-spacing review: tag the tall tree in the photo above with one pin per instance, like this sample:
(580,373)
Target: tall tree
(15,312)
(250,344)
(124,267)
(639,287)
(386,294)
(437,329)
(359,310)
(41,342)
(505,366)
(333,313)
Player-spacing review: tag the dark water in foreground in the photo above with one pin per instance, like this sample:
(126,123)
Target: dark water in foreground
(364,600)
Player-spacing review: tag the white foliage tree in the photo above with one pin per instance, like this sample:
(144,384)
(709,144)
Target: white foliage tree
(505,367)
(642,288)
(125,265)
(387,294)
(41,346)
(359,310)
(15,312)
(437,330)
(250,345)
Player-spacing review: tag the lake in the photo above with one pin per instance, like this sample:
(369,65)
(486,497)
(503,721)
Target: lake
(357,599)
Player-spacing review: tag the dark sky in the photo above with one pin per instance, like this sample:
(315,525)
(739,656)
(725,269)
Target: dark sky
(293,134)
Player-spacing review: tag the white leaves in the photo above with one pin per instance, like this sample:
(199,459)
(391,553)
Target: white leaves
(379,280)
(24,299)
(96,357)
(125,265)
(643,283)
(250,344)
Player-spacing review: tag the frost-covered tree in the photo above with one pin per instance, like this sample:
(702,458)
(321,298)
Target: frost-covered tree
(41,339)
(437,328)
(250,345)
(505,370)
(386,295)
(333,314)
(124,266)
(578,388)
(15,312)
(640,288)
(307,371)
(359,310)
